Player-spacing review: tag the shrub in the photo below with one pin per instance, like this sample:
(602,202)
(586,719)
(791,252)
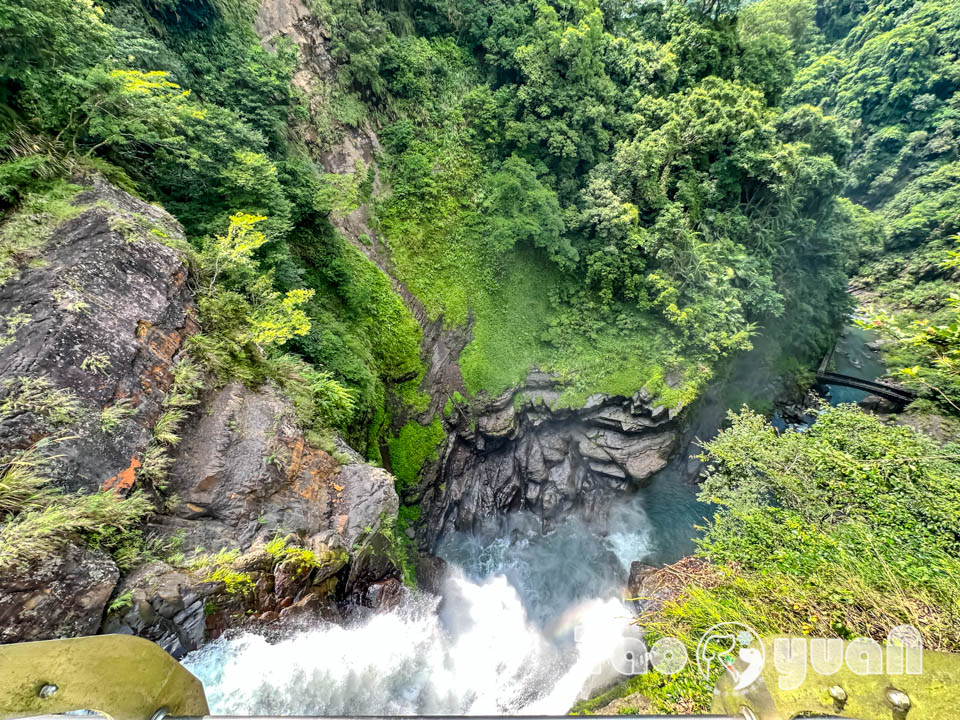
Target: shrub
(112,416)
(412,447)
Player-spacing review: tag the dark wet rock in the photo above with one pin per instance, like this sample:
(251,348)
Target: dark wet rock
(369,563)
(61,597)
(164,605)
(385,595)
(263,592)
(244,472)
(877,404)
(309,606)
(317,604)
(107,310)
(270,616)
(638,572)
(524,454)
(289,578)
(431,572)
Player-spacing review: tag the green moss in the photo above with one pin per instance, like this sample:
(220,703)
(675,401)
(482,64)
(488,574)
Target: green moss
(440,256)
(414,445)
(234,582)
(24,235)
(302,559)
(362,332)
(515,330)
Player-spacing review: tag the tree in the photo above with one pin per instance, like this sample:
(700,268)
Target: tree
(132,113)
(232,254)
(45,48)
(238,299)
(927,351)
(519,210)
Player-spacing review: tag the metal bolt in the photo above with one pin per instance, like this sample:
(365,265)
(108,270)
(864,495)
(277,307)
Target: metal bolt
(899,700)
(47,691)
(839,696)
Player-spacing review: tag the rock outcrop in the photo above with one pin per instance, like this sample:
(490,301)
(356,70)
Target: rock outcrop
(244,472)
(347,148)
(97,323)
(103,314)
(522,453)
(62,597)
(164,605)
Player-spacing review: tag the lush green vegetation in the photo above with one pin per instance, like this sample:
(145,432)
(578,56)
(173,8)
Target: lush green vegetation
(180,103)
(582,186)
(845,530)
(412,447)
(925,352)
(851,527)
(621,194)
(577,182)
(889,71)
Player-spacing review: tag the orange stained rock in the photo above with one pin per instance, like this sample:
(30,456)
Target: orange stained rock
(124,479)
(296,458)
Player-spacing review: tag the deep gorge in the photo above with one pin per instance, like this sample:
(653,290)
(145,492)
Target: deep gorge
(411,357)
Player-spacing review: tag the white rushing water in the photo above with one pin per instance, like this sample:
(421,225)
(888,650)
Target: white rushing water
(526,624)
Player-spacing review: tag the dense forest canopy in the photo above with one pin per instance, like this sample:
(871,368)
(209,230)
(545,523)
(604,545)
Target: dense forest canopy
(573,177)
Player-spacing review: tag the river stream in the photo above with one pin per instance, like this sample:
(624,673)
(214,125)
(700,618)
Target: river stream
(527,624)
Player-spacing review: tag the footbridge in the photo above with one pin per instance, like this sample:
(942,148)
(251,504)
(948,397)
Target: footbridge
(893,393)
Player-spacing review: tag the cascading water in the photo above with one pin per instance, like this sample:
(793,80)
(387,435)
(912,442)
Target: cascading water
(527,623)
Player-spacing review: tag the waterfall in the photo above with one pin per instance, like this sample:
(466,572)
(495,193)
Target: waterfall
(527,623)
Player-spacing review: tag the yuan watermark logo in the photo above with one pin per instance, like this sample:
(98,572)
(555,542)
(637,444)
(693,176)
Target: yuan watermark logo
(903,655)
(737,648)
(724,643)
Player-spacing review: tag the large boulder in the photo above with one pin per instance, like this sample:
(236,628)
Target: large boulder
(97,323)
(62,597)
(245,472)
(102,314)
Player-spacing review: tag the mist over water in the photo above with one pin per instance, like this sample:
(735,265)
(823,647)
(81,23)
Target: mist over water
(502,639)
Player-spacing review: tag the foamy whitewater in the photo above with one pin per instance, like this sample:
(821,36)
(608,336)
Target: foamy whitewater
(527,624)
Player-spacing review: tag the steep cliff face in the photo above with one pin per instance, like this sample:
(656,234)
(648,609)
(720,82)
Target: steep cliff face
(62,597)
(103,312)
(521,453)
(350,150)
(244,472)
(97,321)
